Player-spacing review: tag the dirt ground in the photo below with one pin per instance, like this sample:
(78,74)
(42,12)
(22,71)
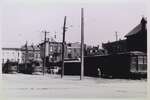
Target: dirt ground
(52,86)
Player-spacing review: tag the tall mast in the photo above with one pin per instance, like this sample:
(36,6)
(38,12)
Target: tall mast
(63,47)
(82,44)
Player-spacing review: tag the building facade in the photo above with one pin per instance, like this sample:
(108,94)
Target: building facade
(52,50)
(11,54)
(30,53)
(73,51)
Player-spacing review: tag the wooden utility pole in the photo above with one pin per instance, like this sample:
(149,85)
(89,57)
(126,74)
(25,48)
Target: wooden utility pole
(63,48)
(44,59)
(82,44)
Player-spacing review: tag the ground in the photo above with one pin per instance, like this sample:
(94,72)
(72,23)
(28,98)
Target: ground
(52,86)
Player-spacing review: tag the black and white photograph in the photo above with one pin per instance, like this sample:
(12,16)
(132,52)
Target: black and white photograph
(82,49)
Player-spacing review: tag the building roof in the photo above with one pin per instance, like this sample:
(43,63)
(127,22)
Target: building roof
(135,30)
(36,48)
(17,49)
(51,43)
(114,43)
(134,53)
(138,28)
(30,48)
(137,53)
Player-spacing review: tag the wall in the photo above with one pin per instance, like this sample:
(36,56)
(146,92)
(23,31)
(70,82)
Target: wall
(11,54)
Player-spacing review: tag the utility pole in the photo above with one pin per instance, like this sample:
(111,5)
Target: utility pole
(44,60)
(116,36)
(26,55)
(18,63)
(63,48)
(82,44)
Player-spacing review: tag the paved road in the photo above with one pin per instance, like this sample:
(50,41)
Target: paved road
(52,86)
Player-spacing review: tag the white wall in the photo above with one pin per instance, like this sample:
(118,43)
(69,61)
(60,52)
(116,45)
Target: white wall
(12,55)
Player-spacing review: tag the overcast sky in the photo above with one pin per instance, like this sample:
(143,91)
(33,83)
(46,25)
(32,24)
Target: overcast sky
(24,20)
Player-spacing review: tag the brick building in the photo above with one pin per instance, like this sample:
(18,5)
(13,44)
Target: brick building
(30,53)
(53,51)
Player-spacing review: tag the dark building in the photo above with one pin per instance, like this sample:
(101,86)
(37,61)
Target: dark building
(128,64)
(136,41)
(115,47)
(128,57)
(137,37)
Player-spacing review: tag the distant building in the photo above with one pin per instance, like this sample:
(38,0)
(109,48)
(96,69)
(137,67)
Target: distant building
(93,51)
(137,37)
(11,54)
(115,47)
(30,53)
(73,50)
(53,51)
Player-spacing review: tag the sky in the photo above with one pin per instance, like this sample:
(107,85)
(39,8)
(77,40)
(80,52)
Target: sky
(24,20)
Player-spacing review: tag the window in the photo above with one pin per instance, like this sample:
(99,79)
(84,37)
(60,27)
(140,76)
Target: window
(69,55)
(51,48)
(18,54)
(145,59)
(37,55)
(133,64)
(69,44)
(140,59)
(69,50)
(142,63)
(50,56)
